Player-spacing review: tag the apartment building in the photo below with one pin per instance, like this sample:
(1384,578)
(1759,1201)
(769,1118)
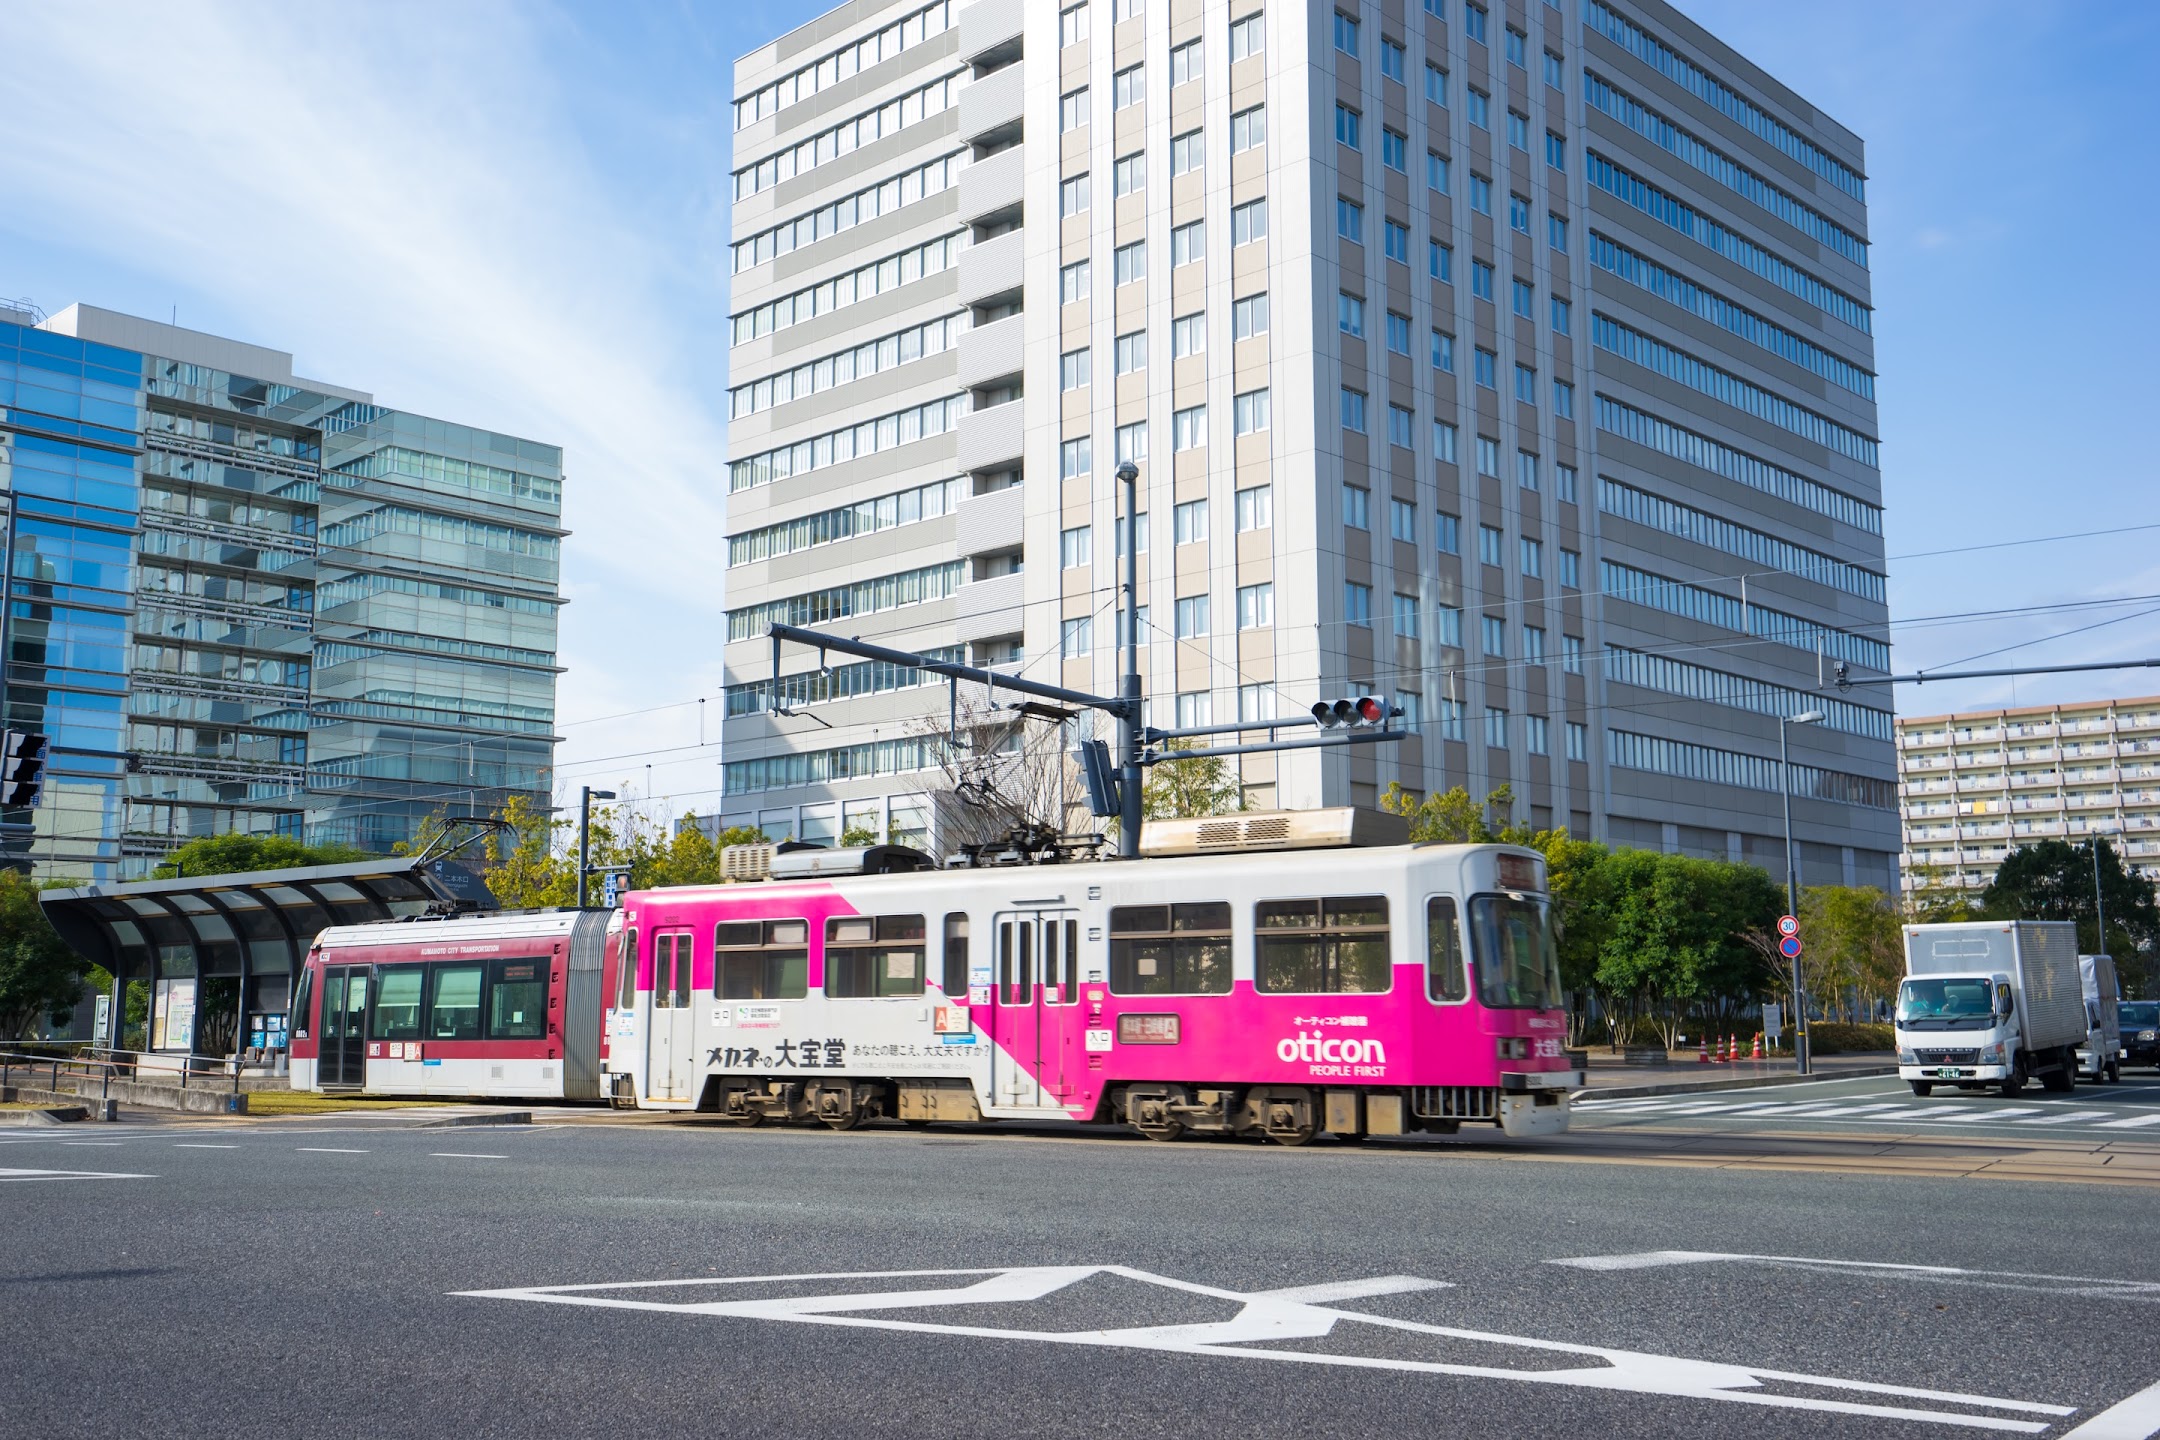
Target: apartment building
(1974,786)
(1513,360)
(242,600)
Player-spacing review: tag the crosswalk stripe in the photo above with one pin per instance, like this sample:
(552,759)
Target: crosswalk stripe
(2065,1117)
(2133,1123)
(1978,1115)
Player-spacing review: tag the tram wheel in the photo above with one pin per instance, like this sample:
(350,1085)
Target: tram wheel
(749,1119)
(1302,1135)
(1170,1131)
(842,1120)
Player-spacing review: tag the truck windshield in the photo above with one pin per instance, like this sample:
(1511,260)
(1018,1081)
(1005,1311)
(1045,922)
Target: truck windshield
(1512,943)
(1945,1004)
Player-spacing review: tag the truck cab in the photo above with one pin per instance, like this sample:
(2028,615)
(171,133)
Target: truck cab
(1990,1002)
(2100,1057)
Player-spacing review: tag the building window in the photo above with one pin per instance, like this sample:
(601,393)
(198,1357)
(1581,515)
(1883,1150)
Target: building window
(1526,384)
(1073,196)
(1188,428)
(1072,110)
(1350,220)
(1128,87)
(1406,616)
(1571,652)
(1488,459)
(1129,174)
(1398,427)
(1255,508)
(1072,25)
(1450,720)
(1447,531)
(1073,462)
(1249,316)
(1255,606)
(1518,214)
(1556,151)
(1195,708)
(1491,544)
(1248,222)
(1346,34)
(1247,37)
(1391,60)
(1188,242)
(1350,314)
(1564,482)
(1480,193)
(1563,399)
(1436,84)
(1486,368)
(1073,282)
(1518,49)
(1357,507)
(1129,262)
(1402,520)
(1555,71)
(1481,280)
(1398,242)
(1534,735)
(1255,703)
(1480,109)
(1188,335)
(1073,369)
(1496,727)
(1357,604)
(1533,559)
(1473,22)
(1443,352)
(1395,151)
(1076,548)
(1398,333)
(1076,638)
(1440,260)
(1578,741)
(1185,63)
(1349,127)
(1447,630)
(1443,442)
(1525,299)
(1248,129)
(1436,171)
(1556,233)
(1192,617)
(1353,410)
(1132,352)
(1251,411)
(1562,317)
(1132,442)
(1518,130)
(1189,153)
(1526,469)
(1571,569)
(1121,10)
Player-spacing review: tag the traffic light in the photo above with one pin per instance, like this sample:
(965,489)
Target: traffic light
(22,768)
(1356,712)
(1101,777)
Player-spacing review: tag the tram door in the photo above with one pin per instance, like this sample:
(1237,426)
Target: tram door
(1037,992)
(670,1049)
(344,1027)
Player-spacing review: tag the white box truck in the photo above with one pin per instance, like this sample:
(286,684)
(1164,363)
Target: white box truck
(2100,1057)
(1990,1002)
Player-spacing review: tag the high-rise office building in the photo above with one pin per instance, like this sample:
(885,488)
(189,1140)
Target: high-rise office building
(241,600)
(1978,784)
(1513,360)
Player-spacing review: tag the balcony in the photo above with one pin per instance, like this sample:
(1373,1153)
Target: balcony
(991,522)
(983,608)
(991,268)
(991,352)
(990,27)
(991,186)
(991,439)
(991,102)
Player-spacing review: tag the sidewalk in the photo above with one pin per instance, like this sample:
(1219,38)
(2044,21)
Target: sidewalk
(1608,1078)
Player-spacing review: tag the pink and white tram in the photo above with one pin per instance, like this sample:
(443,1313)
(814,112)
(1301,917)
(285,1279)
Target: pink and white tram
(1285,992)
(503,1005)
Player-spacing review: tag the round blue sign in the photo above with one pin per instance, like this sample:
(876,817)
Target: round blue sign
(1789,947)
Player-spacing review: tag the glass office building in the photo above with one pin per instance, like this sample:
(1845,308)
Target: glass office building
(240,600)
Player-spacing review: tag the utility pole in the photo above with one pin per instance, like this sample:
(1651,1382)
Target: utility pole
(1792,881)
(1129,729)
(586,795)
(2099,905)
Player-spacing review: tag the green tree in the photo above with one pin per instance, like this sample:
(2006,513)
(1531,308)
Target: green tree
(2053,880)
(39,975)
(1855,948)
(1453,818)
(1577,877)
(525,868)
(1676,933)
(850,838)
(1195,786)
(233,853)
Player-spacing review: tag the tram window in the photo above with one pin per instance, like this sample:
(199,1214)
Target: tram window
(956,953)
(1444,977)
(517,998)
(303,1021)
(1170,949)
(868,956)
(761,960)
(626,963)
(671,971)
(1016,961)
(454,1002)
(1333,946)
(397,1002)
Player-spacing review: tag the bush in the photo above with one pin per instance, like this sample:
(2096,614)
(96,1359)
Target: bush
(1833,1039)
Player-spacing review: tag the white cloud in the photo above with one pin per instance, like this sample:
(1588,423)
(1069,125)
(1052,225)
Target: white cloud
(402,199)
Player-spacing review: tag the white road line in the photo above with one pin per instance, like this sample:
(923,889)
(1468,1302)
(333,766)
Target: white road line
(326,1150)
(185,1145)
(1977,1116)
(462,1155)
(2144,1291)
(2133,1123)
(1354,1289)
(2133,1419)
(90,1142)
(17,1175)
(2066,1117)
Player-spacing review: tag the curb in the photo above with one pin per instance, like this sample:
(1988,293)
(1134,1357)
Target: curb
(51,1115)
(1689,1087)
(502,1117)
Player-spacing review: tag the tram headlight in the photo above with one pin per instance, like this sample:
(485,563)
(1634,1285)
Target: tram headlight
(1513,1047)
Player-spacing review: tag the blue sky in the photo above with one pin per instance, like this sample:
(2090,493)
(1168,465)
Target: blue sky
(516,216)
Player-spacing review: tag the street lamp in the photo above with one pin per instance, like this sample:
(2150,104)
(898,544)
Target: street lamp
(586,795)
(1792,879)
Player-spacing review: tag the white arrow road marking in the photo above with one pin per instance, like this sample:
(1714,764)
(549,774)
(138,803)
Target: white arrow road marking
(8,1175)
(1286,1315)
(2133,1419)
(2083,1285)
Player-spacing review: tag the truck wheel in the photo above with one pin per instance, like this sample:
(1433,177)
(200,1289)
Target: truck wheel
(2062,1080)
(2015,1080)
(2114,1072)
(1922,1087)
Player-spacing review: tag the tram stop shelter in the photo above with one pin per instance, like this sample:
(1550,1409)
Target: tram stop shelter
(220,953)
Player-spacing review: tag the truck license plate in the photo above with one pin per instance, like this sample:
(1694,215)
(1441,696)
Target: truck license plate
(1947,1072)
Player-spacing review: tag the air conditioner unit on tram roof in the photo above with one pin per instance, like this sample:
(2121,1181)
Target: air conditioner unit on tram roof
(1331,828)
(795,861)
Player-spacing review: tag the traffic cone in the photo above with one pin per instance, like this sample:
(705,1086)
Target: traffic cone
(1757,1055)
(1727,1057)
(1704,1058)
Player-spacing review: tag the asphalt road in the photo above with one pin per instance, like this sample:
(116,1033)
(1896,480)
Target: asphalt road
(2126,1110)
(368,1277)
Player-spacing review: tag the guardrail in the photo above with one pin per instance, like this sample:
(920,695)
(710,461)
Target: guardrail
(116,1064)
